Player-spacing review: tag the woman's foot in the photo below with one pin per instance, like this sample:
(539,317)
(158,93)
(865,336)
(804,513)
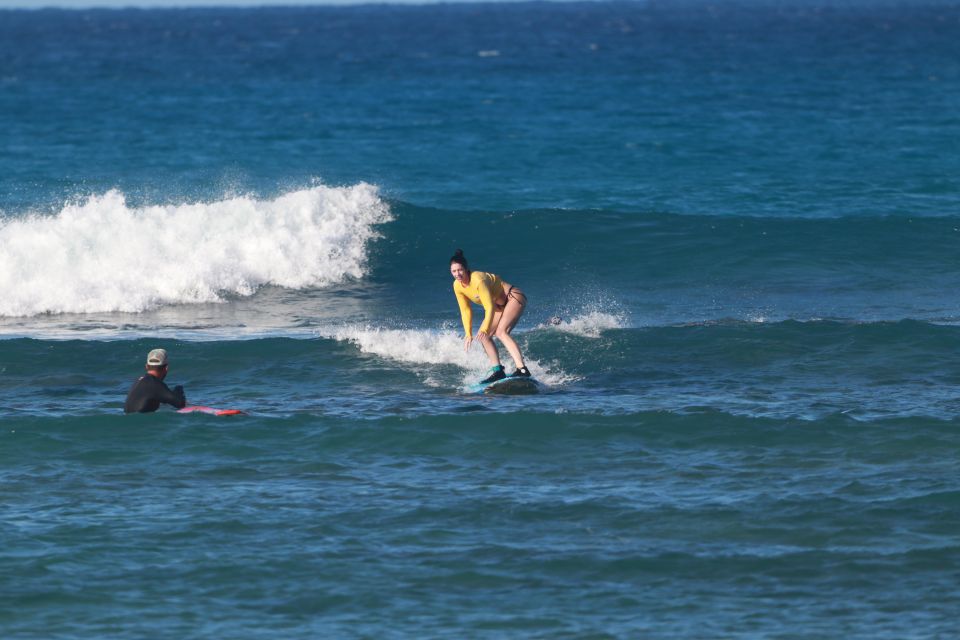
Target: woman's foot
(522,372)
(496,373)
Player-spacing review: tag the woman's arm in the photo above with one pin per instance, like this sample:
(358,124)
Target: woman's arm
(486,299)
(466,313)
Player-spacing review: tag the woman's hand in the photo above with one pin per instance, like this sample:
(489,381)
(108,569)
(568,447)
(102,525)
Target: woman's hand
(482,335)
(467,342)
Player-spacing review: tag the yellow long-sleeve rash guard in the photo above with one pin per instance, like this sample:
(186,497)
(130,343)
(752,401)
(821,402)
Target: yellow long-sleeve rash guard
(484,289)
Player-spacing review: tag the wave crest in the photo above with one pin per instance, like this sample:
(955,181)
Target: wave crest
(433,347)
(590,324)
(103,255)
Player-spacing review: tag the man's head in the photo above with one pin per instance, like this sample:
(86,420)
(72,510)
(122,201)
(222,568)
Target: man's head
(157,363)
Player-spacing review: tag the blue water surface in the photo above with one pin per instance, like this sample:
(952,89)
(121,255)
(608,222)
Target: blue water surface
(737,225)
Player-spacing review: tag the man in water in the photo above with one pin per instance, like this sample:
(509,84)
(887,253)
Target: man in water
(148,392)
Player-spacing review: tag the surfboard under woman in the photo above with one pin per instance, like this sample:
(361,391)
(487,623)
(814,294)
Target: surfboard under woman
(502,303)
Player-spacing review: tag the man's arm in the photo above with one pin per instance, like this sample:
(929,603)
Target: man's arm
(176,397)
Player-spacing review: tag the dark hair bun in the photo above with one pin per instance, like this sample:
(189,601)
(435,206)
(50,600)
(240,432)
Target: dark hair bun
(459,258)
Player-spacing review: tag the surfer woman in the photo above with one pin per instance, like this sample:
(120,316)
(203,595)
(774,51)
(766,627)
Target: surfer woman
(502,303)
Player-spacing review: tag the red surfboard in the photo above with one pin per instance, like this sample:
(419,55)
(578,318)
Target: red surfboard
(211,411)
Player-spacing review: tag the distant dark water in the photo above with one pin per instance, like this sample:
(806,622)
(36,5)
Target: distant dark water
(745,217)
(749,108)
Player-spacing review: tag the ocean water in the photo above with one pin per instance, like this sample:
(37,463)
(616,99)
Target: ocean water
(737,224)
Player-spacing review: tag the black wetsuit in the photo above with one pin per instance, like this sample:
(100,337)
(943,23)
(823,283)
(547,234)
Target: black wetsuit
(148,392)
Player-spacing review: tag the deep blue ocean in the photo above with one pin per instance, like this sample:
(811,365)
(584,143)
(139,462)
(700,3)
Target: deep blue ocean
(738,226)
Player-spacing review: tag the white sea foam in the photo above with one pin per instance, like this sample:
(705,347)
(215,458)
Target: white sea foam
(588,325)
(433,347)
(103,255)
(414,346)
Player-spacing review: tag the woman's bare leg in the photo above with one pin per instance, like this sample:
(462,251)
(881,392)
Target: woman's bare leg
(488,346)
(508,320)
